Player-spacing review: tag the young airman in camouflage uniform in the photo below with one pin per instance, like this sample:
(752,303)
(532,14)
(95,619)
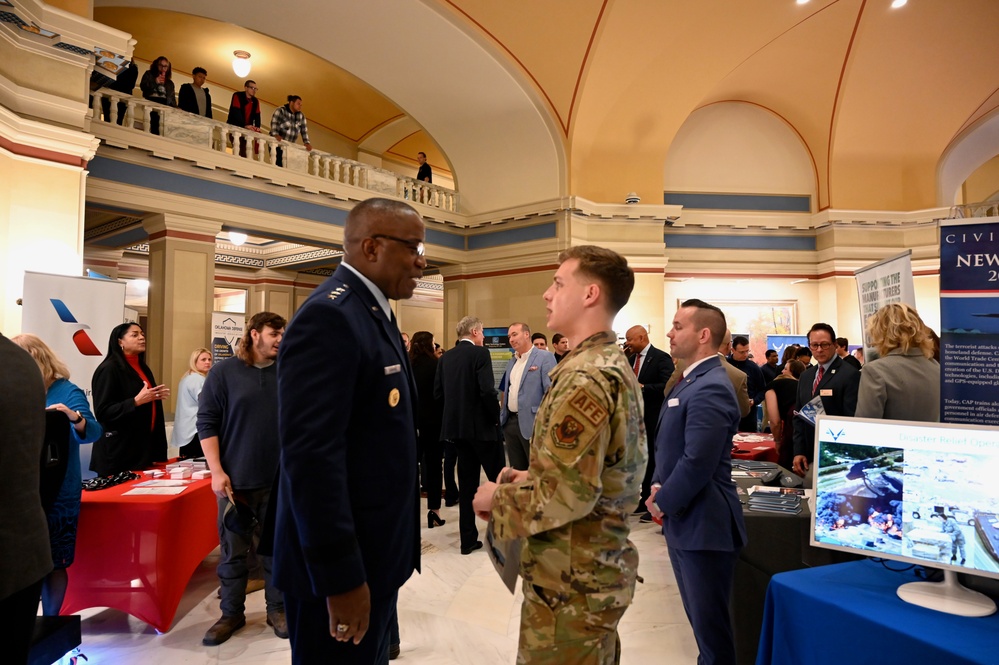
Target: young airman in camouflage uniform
(588,456)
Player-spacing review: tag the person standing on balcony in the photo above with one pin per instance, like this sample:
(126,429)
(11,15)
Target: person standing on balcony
(244,111)
(157,86)
(288,122)
(194,97)
(424,174)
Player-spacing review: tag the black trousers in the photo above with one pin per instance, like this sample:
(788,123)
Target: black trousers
(312,644)
(433,456)
(473,456)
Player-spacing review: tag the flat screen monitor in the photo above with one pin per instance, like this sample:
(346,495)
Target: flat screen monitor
(922,493)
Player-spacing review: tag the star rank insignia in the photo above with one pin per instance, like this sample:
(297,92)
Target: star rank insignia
(337,292)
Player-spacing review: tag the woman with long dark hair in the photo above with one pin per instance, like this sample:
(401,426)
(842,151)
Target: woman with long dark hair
(157,86)
(429,416)
(127,405)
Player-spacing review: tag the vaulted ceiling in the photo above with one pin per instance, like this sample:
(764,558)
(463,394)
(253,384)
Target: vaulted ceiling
(526,100)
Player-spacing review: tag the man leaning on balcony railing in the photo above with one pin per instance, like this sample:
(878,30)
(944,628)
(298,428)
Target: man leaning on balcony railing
(244,111)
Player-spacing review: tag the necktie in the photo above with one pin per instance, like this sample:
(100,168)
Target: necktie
(818,380)
(638,361)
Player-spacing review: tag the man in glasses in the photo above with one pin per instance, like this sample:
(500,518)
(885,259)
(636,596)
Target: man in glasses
(346,535)
(832,381)
(244,111)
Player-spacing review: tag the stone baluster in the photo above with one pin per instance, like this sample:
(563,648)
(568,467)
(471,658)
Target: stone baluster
(96,106)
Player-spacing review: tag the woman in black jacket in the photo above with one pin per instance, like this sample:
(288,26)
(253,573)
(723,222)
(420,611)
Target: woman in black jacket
(429,415)
(127,405)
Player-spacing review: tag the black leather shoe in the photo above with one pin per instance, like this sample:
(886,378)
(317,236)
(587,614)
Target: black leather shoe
(450,504)
(472,548)
(394,651)
(433,519)
(279,623)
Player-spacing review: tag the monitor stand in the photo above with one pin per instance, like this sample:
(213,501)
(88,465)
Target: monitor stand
(949,596)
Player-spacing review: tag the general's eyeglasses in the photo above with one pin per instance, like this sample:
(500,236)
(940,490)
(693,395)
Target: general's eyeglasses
(815,346)
(415,247)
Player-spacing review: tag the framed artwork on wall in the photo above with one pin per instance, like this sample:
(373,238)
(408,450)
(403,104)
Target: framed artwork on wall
(759,318)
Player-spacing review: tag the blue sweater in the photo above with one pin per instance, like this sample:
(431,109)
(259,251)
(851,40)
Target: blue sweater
(64,392)
(239,405)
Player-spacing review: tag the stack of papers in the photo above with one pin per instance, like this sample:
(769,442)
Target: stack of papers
(775,503)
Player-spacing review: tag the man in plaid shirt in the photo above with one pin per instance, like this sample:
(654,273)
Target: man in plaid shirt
(288,122)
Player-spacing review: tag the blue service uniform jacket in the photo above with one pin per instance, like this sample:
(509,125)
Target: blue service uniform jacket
(348,495)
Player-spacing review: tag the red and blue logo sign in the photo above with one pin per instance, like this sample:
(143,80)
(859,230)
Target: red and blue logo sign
(84,344)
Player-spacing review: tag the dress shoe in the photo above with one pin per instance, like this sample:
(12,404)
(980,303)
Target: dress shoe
(646,518)
(223,629)
(640,510)
(472,548)
(394,651)
(433,519)
(279,623)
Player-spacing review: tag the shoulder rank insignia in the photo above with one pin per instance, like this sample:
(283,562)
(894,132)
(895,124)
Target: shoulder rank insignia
(337,292)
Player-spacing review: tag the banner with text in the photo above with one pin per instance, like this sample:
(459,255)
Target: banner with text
(881,284)
(227,329)
(969,321)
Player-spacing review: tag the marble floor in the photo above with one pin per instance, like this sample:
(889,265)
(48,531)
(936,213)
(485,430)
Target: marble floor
(456,612)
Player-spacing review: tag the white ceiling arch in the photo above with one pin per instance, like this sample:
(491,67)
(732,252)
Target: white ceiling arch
(473,102)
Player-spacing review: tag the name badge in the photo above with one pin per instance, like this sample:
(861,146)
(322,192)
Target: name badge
(825,392)
(673,401)
(393,369)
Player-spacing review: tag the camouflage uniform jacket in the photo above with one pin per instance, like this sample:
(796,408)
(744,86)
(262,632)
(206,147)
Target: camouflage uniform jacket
(588,457)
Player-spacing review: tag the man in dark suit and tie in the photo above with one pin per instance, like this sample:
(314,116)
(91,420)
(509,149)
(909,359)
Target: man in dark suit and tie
(835,382)
(653,368)
(692,488)
(471,419)
(347,535)
(526,381)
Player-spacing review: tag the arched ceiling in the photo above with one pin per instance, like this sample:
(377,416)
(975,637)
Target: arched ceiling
(532,100)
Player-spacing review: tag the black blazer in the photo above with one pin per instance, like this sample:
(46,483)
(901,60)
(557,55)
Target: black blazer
(844,382)
(188,102)
(466,384)
(348,496)
(653,375)
(128,443)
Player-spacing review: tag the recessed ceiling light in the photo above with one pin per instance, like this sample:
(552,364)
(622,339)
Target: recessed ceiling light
(802,2)
(895,4)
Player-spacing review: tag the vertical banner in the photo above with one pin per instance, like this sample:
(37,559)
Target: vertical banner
(881,284)
(74,316)
(969,321)
(227,329)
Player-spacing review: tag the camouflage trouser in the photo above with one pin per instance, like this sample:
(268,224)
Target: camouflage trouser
(578,629)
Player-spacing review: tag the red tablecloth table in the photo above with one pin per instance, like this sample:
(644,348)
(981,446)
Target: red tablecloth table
(137,553)
(755,447)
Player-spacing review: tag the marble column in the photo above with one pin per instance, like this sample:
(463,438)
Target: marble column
(181,293)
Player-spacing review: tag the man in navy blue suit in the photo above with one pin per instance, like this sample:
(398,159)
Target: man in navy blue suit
(692,488)
(524,383)
(347,536)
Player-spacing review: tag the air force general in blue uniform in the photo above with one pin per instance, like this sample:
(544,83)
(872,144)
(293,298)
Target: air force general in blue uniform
(702,516)
(346,530)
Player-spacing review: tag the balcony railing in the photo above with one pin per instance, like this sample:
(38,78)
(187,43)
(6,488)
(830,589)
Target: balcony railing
(238,143)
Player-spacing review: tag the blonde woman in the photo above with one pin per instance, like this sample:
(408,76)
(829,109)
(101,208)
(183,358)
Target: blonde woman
(64,513)
(185,420)
(904,383)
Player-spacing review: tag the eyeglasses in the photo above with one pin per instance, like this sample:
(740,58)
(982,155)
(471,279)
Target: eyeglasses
(251,87)
(416,247)
(815,346)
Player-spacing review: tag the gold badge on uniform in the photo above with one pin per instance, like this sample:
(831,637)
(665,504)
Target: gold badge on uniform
(393,397)
(566,433)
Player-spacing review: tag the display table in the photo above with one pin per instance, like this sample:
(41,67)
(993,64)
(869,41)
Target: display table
(849,613)
(137,553)
(777,543)
(759,447)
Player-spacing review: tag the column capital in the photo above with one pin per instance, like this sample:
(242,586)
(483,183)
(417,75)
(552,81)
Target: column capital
(181,227)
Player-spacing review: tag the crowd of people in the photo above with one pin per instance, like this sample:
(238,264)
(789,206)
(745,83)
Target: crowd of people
(575,442)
